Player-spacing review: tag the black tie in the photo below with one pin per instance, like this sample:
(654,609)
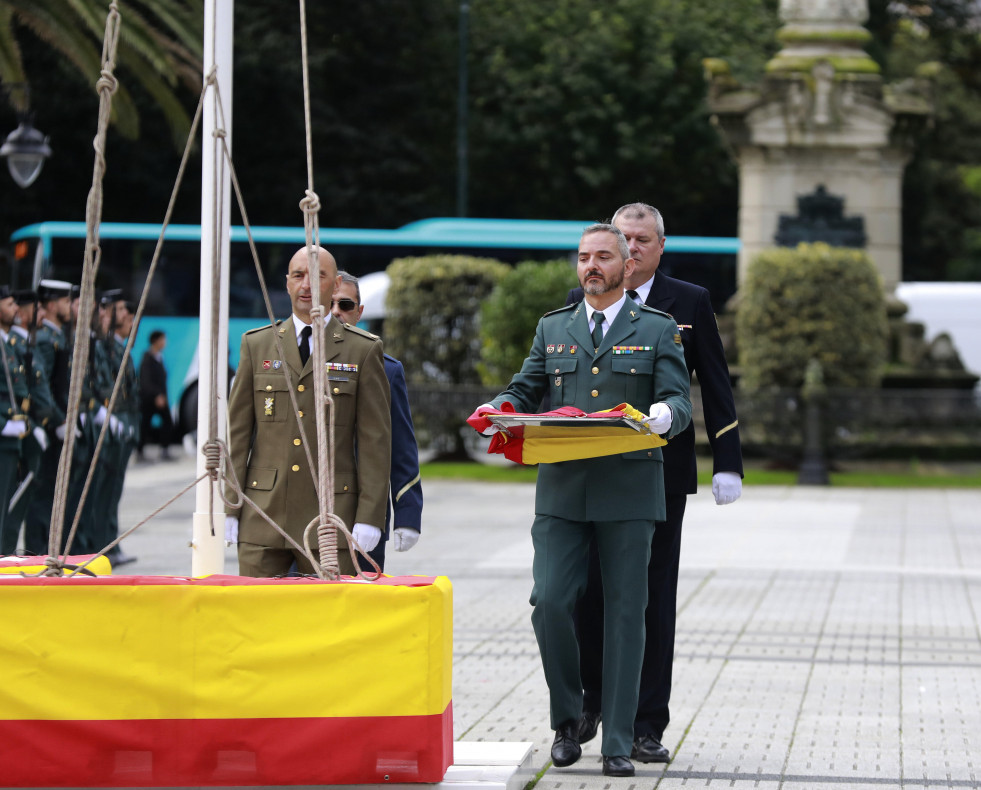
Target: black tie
(634,295)
(598,318)
(305,344)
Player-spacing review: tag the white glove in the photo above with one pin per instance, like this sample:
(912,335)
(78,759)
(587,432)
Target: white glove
(60,432)
(81,418)
(100,415)
(40,437)
(13,428)
(231,530)
(115,425)
(404,538)
(366,536)
(659,418)
(492,428)
(726,487)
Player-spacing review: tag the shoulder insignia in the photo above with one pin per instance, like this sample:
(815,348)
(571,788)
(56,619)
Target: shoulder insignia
(259,328)
(648,309)
(361,332)
(561,309)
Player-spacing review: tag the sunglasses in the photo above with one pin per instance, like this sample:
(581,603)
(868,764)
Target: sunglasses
(346,305)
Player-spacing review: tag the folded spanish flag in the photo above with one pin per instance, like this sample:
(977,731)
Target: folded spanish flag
(569,437)
(176,682)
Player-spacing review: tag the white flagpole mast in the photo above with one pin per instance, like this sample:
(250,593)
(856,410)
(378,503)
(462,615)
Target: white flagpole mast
(207,550)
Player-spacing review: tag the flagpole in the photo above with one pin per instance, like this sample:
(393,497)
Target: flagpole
(207,549)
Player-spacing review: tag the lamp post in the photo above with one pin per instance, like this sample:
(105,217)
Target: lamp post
(462,144)
(25,148)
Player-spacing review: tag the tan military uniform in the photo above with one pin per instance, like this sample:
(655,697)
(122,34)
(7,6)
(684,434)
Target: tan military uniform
(267,451)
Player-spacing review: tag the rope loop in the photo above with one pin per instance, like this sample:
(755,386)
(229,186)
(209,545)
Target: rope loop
(219,134)
(320,311)
(212,77)
(310,204)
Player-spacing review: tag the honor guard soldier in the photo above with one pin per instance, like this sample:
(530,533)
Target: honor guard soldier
(15,425)
(36,442)
(594,355)
(117,316)
(690,305)
(50,362)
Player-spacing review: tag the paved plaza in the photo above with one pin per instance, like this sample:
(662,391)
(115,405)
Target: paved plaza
(827,637)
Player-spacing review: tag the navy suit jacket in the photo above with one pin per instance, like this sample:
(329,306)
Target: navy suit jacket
(406,486)
(691,308)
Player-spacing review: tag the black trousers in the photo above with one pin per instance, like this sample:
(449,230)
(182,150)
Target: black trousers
(166,431)
(662,603)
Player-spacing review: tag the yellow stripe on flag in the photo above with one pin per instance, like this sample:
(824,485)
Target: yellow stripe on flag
(145,651)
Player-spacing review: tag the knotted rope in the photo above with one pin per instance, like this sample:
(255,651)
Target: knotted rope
(106,87)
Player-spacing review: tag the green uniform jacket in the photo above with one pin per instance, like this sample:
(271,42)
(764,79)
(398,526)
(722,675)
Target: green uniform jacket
(265,447)
(640,361)
(14,405)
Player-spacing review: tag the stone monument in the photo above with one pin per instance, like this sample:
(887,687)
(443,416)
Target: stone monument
(821,122)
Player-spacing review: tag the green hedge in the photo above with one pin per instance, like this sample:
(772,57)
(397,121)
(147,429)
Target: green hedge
(432,315)
(510,314)
(815,302)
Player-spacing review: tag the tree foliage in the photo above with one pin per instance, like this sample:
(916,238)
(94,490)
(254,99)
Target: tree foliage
(159,45)
(509,316)
(941,211)
(814,302)
(604,104)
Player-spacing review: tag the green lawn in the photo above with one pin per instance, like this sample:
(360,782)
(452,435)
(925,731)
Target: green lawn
(912,475)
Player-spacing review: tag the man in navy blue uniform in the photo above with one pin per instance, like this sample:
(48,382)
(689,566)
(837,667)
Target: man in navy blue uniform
(691,307)
(406,486)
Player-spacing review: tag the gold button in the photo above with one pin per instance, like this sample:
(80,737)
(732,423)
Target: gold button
(345,488)
(296,467)
(594,393)
(556,370)
(595,371)
(269,388)
(336,390)
(255,483)
(301,412)
(296,442)
(633,370)
(300,388)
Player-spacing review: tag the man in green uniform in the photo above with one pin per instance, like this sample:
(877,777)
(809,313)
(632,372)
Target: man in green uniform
(15,427)
(122,438)
(36,442)
(51,356)
(594,355)
(265,446)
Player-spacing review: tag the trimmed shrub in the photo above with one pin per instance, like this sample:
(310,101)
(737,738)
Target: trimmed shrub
(432,326)
(510,314)
(815,302)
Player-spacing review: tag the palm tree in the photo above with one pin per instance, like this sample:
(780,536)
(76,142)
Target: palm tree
(159,45)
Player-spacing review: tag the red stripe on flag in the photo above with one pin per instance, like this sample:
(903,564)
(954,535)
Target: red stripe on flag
(223,752)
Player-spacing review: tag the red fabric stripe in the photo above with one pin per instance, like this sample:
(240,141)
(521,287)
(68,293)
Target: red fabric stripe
(222,752)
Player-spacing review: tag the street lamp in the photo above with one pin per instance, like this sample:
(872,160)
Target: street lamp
(25,150)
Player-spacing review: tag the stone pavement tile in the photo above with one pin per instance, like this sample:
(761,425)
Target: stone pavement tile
(849,724)
(941,722)
(863,622)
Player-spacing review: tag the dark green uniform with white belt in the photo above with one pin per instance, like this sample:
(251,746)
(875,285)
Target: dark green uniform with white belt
(14,403)
(614,498)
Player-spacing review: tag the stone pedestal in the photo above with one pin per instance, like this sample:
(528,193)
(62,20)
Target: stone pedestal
(820,118)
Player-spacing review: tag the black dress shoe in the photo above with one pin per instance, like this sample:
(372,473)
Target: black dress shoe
(588,725)
(648,749)
(617,765)
(565,747)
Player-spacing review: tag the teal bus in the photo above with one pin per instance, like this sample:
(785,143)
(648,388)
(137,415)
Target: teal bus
(55,250)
